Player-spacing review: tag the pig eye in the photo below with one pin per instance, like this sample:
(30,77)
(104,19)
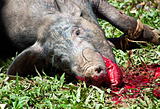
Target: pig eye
(77,31)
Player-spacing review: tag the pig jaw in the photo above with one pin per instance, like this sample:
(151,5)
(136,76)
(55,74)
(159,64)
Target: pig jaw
(100,80)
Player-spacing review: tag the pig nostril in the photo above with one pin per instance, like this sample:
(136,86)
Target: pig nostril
(98,70)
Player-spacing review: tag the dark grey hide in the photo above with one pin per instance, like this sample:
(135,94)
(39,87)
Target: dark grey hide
(60,34)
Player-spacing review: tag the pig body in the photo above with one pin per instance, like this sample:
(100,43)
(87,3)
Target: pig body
(63,34)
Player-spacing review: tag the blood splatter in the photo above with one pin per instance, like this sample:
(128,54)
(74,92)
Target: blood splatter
(135,80)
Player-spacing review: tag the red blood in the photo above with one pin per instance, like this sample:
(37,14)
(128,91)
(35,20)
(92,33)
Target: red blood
(156,92)
(114,72)
(81,78)
(117,99)
(157,72)
(100,80)
(95,80)
(129,87)
(136,79)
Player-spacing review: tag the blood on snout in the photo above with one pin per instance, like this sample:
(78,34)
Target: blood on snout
(100,80)
(113,77)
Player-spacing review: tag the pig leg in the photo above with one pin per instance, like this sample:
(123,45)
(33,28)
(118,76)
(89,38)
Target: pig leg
(124,44)
(133,28)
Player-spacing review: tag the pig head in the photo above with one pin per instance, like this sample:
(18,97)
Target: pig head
(73,45)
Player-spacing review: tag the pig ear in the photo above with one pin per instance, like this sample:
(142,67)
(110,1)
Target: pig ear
(26,62)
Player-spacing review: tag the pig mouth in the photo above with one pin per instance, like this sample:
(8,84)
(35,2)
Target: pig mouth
(97,80)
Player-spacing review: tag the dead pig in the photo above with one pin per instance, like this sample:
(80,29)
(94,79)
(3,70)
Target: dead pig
(64,35)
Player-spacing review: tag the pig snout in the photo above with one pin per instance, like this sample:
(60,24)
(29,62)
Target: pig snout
(91,68)
(93,63)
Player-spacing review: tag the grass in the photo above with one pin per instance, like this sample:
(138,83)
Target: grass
(55,93)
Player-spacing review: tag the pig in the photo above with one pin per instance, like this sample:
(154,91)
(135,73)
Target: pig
(64,35)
